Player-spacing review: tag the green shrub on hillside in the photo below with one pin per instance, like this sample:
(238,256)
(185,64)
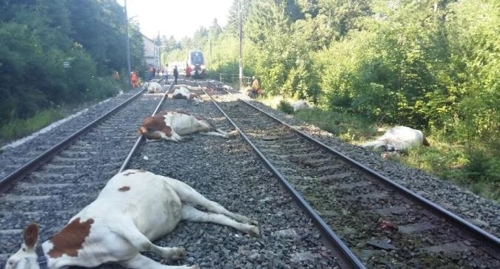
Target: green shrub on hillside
(285,106)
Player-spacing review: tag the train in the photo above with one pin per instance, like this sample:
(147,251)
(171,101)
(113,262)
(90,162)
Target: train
(196,61)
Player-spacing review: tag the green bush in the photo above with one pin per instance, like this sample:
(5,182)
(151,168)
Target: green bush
(285,106)
(477,166)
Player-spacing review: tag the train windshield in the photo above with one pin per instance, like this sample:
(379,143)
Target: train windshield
(196,57)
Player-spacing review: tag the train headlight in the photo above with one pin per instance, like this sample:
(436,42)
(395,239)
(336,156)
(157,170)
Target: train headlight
(202,66)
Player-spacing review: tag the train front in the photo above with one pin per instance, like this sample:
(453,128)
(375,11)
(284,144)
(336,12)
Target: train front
(197,63)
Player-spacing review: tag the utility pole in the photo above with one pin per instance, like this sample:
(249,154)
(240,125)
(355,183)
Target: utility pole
(240,30)
(210,44)
(159,50)
(129,68)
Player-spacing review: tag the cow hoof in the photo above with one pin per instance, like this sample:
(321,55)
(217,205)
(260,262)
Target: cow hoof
(254,231)
(233,133)
(179,254)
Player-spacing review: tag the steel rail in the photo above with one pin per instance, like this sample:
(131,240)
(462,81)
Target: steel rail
(348,258)
(141,138)
(42,158)
(492,242)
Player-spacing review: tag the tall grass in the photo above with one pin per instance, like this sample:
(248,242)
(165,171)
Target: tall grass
(18,128)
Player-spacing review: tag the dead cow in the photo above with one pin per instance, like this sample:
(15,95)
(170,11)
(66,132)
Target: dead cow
(184,93)
(300,105)
(399,138)
(134,208)
(171,125)
(152,87)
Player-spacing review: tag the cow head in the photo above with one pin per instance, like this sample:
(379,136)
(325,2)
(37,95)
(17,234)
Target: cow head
(26,257)
(425,142)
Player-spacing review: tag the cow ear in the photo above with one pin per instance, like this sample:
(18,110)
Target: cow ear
(31,235)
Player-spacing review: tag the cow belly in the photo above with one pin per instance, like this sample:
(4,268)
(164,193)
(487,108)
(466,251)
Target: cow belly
(187,125)
(148,200)
(160,220)
(186,130)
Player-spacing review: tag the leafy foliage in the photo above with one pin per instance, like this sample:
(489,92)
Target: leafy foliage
(431,64)
(285,106)
(39,36)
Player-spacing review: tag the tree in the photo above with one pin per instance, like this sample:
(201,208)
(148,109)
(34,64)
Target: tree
(39,36)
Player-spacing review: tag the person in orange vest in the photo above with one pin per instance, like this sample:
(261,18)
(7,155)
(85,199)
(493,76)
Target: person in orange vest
(134,80)
(188,71)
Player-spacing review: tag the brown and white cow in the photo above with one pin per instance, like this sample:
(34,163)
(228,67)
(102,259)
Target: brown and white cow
(171,125)
(399,138)
(184,93)
(133,209)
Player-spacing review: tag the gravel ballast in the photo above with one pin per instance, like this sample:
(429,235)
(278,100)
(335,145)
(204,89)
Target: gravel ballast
(482,212)
(224,170)
(227,171)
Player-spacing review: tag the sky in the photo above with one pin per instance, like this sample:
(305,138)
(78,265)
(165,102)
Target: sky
(180,18)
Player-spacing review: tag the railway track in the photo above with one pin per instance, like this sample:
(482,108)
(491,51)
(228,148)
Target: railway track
(382,228)
(51,140)
(67,175)
(227,172)
(387,226)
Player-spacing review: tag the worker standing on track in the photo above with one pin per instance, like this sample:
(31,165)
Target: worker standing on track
(134,80)
(176,75)
(152,72)
(188,71)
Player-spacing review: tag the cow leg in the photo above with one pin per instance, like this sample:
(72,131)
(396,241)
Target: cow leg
(190,213)
(221,133)
(190,195)
(141,262)
(173,136)
(128,230)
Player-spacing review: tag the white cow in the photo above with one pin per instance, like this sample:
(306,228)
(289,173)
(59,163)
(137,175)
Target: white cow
(300,105)
(170,125)
(134,208)
(184,93)
(399,138)
(152,87)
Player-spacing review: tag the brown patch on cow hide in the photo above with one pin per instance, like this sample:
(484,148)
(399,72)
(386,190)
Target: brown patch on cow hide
(31,235)
(70,239)
(124,189)
(152,125)
(168,131)
(142,130)
(192,96)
